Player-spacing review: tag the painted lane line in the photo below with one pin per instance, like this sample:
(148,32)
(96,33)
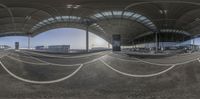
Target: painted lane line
(186,62)
(71,64)
(198,60)
(34,63)
(74,64)
(53,56)
(35,58)
(138,76)
(124,59)
(41,82)
(45,82)
(94,60)
(44,64)
(158,64)
(3,56)
(24,56)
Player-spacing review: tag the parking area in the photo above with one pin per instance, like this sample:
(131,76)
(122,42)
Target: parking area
(101,75)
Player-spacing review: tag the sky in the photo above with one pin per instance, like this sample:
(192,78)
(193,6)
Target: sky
(196,41)
(76,38)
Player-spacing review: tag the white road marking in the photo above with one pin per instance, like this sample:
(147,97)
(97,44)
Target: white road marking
(36,58)
(72,74)
(138,76)
(53,56)
(41,82)
(158,64)
(45,82)
(124,59)
(198,60)
(45,64)
(186,62)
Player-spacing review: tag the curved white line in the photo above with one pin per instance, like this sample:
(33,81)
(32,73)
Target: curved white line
(151,62)
(186,62)
(137,76)
(35,58)
(124,59)
(53,56)
(41,82)
(158,64)
(198,59)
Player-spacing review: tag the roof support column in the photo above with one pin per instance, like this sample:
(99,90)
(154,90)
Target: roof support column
(29,41)
(116,42)
(87,39)
(156,42)
(193,43)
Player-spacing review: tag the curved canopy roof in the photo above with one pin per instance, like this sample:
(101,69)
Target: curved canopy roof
(130,18)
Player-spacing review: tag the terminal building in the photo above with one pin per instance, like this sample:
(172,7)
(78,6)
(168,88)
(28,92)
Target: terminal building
(54,48)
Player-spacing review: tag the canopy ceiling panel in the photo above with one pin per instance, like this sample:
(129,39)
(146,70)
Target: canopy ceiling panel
(157,15)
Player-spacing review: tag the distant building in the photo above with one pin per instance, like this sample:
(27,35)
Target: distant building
(59,48)
(40,47)
(54,48)
(4,47)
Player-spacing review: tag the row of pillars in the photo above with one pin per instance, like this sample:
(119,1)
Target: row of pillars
(157,42)
(116,41)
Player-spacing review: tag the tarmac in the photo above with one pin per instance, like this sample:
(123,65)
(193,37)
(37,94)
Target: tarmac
(100,75)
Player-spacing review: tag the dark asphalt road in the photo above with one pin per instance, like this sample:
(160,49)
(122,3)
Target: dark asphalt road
(96,81)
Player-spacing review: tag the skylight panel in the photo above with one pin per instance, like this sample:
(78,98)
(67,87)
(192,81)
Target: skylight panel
(117,13)
(142,18)
(107,13)
(146,21)
(51,19)
(98,15)
(58,18)
(128,14)
(136,16)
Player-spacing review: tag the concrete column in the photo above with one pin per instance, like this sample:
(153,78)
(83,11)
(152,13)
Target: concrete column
(29,41)
(156,42)
(193,43)
(108,45)
(16,45)
(87,39)
(116,42)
